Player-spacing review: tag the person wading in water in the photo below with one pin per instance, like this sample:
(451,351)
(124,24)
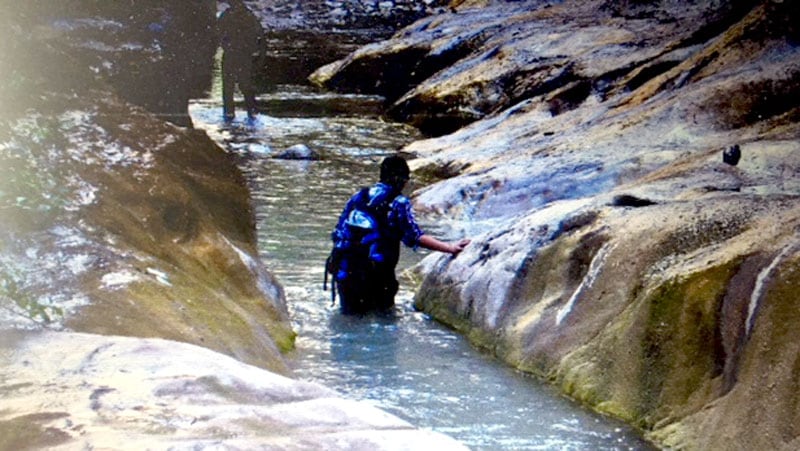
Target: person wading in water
(240,35)
(366,242)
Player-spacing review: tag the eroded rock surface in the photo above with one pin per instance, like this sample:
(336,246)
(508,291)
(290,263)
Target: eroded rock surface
(614,252)
(134,311)
(114,220)
(301,36)
(122,393)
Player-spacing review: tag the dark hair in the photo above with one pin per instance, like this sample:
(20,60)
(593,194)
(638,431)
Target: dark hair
(394,171)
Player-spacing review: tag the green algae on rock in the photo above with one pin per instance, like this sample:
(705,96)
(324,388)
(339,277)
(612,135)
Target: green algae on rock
(614,253)
(155,231)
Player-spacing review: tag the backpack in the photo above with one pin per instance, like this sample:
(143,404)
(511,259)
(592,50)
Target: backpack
(357,243)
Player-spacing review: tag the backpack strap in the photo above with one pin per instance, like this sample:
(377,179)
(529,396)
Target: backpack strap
(329,270)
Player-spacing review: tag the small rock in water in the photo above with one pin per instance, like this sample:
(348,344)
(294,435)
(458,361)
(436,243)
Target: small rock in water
(298,152)
(259,149)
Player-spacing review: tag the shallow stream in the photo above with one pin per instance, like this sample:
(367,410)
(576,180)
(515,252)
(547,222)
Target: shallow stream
(405,363)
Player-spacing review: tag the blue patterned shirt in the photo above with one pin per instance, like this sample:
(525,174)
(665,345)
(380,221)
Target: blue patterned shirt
(400,225)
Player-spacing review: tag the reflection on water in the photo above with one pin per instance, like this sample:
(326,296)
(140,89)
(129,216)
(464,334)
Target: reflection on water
(403,362)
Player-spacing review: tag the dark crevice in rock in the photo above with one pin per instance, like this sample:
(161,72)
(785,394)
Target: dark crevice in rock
(433,173)
(292,55)
(526,84)
(180,220)
(718,23)
(96,395)
(630,77)
(394,74)
(460,47)
(569,97)
(687,76)
(648,72)
(440,116)
(441,124)
(578,221)
(580,260)
(390,74)
(627,200)
(718,354)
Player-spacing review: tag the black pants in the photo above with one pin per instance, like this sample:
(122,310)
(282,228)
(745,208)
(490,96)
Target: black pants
(365,290)
(237,69)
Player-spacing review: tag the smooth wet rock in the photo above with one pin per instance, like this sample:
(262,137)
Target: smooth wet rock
(449,70)
(126,393)
(115,221)
(302,36)
(131,226)
(612,251)
(117,227)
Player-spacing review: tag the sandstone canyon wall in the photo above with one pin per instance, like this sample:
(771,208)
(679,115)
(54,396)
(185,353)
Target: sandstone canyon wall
(580,144)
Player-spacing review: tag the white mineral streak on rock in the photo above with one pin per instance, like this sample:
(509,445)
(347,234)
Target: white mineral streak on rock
(265,285)
(68,237)
(78,264)
(74,303)
(762,278)
(131,393)
(92,144)
(115,280)
(85,194)
(116,153)
(594,269)
(160,276)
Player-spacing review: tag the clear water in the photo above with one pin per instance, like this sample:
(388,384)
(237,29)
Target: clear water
(404,363)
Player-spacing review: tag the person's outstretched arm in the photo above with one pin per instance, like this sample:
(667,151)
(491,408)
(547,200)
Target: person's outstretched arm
(429,242)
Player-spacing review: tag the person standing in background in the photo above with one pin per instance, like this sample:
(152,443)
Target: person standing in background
(240,35)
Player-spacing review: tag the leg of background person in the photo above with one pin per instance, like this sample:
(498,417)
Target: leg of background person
(228,85)
(248,89)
